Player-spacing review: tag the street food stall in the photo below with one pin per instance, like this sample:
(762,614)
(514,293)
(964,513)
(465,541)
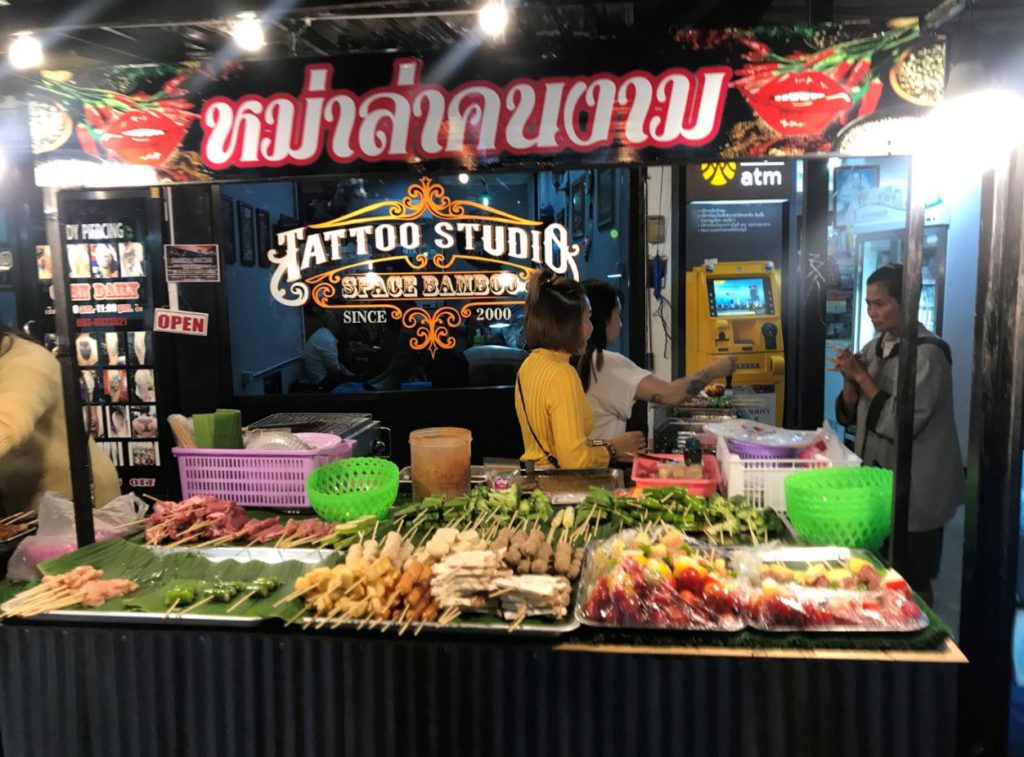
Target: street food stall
(290,596)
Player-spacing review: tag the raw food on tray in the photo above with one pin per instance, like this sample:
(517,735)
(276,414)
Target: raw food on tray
(659,579)
(156,575)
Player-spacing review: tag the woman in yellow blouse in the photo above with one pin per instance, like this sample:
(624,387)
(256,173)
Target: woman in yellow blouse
(33,435)
(552,408)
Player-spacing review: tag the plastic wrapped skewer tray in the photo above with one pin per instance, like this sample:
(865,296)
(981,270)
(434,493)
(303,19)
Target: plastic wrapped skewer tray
(623,586)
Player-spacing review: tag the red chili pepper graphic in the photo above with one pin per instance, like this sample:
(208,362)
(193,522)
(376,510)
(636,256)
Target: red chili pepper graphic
(839,72)
(869,101)
(800,104)
(146,137)
(859,73)
(86,140)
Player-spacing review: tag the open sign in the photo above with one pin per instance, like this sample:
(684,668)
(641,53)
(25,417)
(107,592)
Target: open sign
(180,322)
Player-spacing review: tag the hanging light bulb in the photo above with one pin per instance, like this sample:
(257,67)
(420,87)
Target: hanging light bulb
(247,32)
(26,51)
(493,18)
(463,178)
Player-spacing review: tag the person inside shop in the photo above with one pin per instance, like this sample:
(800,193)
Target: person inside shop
(554,417)
(323,367)
(613,383)
(868,399)
(33,433)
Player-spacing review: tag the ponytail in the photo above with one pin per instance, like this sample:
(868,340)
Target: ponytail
(603,300)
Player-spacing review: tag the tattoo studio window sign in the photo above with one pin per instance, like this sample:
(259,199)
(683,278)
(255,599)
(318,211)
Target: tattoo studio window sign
(708,95)
(426,261)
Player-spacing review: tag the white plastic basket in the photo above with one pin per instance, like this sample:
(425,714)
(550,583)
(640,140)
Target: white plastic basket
(760,481)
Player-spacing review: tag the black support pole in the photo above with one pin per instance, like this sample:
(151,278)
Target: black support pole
(906,385)
(805,358)
(78,441)
(992,525)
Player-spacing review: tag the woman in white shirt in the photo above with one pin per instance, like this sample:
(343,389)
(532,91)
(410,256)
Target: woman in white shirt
(613,382)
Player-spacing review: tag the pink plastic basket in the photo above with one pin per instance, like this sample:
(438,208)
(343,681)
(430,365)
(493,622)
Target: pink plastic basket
(645,474)
(274,479)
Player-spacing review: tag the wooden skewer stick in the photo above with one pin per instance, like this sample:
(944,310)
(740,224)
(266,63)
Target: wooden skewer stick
(39,605)
(518,621)
(347,616)
(150,497)
(16,517)
(245,597)
(172,608)
(324,619)
(295,595)
(295,617)
(195,605)
(405,628)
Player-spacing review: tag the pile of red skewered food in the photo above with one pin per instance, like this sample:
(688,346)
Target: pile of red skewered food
(207,521)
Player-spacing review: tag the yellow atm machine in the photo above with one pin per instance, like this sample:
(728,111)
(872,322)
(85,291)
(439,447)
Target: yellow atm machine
(734,309)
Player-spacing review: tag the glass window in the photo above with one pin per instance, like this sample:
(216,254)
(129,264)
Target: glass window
(361,284)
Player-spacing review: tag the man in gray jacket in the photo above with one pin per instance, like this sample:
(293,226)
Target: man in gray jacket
(869,399)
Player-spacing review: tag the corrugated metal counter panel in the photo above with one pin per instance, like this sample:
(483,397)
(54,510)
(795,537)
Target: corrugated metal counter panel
(141,691)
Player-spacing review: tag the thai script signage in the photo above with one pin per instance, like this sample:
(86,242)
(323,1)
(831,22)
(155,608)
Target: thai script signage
(710,96)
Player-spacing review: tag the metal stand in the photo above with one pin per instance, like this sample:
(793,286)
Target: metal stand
(78,441)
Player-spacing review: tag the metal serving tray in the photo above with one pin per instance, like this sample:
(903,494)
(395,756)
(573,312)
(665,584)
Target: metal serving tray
(146,618)
(489,625)
(269,555)
(758,556)
(20,535)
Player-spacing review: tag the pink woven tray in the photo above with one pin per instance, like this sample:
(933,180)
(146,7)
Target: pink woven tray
(272,479)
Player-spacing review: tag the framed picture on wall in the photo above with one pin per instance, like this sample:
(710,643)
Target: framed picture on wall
(227,220)
(852,187)
(605,198)
(578,201)
(246,234)
(263,236)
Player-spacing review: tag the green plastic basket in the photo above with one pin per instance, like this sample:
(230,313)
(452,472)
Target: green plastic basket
(348,489)
(846,507)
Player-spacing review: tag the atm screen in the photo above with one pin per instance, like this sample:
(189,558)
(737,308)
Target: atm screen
(732,297)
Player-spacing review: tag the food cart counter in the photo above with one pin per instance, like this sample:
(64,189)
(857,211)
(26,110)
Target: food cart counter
(80,689)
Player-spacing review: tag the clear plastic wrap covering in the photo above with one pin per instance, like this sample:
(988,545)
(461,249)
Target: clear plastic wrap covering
(660,579)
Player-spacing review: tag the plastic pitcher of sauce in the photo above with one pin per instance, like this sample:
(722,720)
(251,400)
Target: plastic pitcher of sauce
(440,461)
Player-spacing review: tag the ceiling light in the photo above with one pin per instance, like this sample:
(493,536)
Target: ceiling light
(26,51)
(463,178)
(494,18)
(486,200)
(247,32)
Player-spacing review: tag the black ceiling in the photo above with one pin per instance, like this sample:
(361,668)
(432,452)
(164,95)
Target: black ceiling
(112,31)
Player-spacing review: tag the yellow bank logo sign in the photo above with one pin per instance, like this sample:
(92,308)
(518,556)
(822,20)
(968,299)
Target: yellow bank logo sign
(718,174)
(750,174)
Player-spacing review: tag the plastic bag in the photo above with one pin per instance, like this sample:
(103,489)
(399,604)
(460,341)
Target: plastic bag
(55,535)
(659,579)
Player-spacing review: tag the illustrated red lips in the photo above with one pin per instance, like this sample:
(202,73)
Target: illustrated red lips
(800,104)
(145,137)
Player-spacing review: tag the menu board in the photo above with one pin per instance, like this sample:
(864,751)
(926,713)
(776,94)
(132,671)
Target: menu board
(110,283)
